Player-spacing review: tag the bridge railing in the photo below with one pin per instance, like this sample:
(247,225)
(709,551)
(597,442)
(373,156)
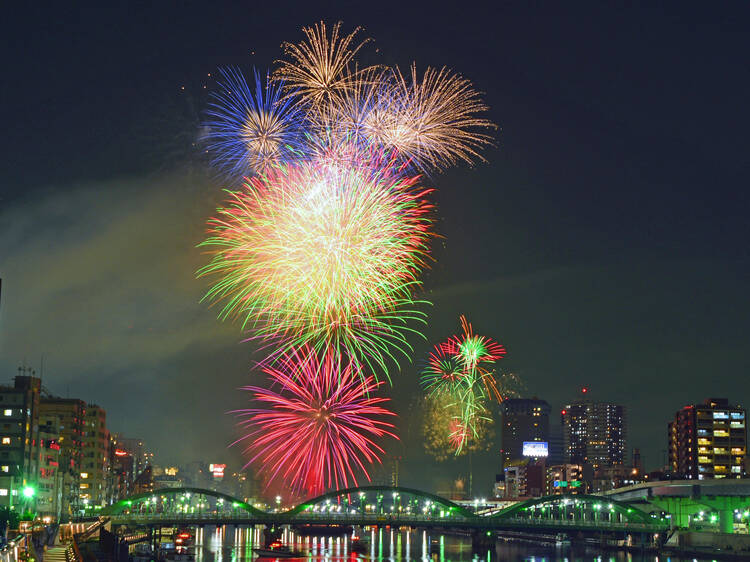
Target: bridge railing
(385,519)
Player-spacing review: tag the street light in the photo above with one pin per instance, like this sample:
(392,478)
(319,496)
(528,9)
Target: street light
(28,492)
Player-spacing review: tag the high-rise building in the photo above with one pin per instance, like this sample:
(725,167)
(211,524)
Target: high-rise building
(593,433)
(94,458)
(524,420)
(708,440)
(71,413)
(19,435)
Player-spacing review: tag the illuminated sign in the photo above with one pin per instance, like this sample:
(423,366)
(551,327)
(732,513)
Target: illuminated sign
(565,484)
(535,449)
(120,453)
(217,470)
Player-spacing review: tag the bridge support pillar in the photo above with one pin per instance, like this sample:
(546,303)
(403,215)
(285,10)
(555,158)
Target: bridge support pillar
(726,521)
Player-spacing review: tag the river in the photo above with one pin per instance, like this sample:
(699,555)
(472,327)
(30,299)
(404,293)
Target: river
(230,544)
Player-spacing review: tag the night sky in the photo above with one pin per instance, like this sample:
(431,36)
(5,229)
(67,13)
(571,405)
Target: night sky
(605,242)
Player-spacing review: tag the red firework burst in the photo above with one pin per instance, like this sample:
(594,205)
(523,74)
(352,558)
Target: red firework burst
(320,424)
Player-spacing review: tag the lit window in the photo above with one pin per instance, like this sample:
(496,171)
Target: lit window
(84,486)
(5,468)
(8,412)
(736,469)
(84,474)
(721,433)
(6,440)
(3,491)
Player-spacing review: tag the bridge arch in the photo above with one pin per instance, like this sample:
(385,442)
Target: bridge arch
(385,500)
(179,500)
(576,507)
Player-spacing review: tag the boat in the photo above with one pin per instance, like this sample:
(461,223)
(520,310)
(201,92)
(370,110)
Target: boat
(183,537)
(277,550)
(561,539)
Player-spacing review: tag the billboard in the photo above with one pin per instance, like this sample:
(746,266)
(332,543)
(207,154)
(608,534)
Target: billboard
(535,449)
(217,470)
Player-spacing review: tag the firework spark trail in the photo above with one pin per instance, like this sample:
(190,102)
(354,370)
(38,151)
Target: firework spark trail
(249,130)
(326,254)
(319,422)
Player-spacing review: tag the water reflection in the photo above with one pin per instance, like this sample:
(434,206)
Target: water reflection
(235,544)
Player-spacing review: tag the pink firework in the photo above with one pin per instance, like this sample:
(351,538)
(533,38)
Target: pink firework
(320,422)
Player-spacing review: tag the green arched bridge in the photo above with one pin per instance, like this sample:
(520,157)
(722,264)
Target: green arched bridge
(381,506)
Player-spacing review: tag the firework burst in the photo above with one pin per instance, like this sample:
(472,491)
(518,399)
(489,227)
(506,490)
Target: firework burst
(325,253)
(319,423)
(458,370)
(434,121)
(251,129)
(318,68)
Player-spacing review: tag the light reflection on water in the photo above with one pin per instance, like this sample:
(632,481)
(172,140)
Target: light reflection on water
(233,544)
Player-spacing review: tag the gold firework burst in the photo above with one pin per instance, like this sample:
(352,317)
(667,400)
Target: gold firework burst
(318,67)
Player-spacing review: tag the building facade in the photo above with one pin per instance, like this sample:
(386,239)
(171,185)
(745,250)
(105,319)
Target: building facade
(594,433)
(71,413)
(19,435)
(708,440)
(524,419)
(525,479)
(565,479)
(94,458)
(50,480)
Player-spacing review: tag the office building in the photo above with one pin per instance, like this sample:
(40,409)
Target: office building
(524,420)
(593,433)
(708,440)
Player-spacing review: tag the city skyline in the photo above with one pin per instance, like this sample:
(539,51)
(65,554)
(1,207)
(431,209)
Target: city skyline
(597,262)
